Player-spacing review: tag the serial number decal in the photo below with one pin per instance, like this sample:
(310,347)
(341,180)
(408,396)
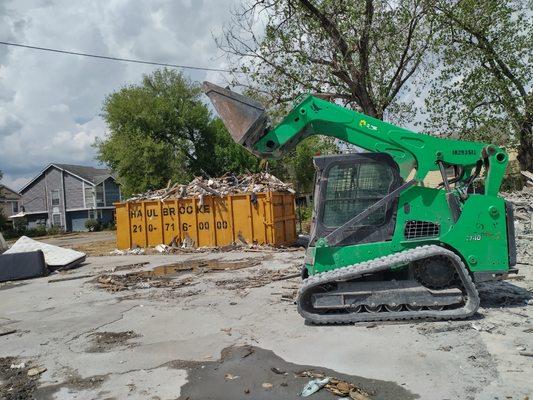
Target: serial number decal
(463,152)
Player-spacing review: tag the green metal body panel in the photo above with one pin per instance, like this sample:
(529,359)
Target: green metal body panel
(479,236)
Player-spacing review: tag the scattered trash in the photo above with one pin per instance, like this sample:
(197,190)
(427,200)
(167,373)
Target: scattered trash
(69,278)
(162,248)
(55,257)
(230,377)
(445,348)
(135,251)
(314,386)
(483,328)
(226,330)
(18,366)
(227,184)
(261,278)
(36,371)
(336,386)
(267,385)
(277,371)
(138,280)
(8,332)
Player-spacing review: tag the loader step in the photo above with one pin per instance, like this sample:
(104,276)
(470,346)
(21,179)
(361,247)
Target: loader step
(385,293)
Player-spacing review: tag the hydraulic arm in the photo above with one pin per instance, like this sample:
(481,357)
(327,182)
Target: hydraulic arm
(312,116)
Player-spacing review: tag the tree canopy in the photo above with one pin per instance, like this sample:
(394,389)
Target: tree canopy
(361,53)
(160,130)
(483,88)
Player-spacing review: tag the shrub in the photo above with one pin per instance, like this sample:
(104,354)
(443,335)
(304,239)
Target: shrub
(92,225)
(55,230)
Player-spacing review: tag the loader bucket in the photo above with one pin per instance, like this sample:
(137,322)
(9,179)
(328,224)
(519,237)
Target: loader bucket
(245,119)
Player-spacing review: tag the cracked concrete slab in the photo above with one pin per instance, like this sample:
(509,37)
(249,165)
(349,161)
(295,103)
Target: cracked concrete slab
(55,321)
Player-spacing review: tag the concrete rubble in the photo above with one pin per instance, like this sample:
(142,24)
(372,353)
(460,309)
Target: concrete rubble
(523,216)
(223,186)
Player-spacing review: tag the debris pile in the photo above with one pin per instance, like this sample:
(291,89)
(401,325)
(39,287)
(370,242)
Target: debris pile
(523,208)
(262,278)
(118,283)
(227,184)
(523,220)
(529,177)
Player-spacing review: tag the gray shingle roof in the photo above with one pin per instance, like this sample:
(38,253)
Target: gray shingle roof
(91,174)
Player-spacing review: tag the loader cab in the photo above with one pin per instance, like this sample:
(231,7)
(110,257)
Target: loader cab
(348,184)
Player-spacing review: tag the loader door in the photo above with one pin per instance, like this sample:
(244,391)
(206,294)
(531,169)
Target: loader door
(348,184)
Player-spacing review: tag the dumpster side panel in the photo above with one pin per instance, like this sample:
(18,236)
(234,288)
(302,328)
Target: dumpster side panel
(154,231)
(223,220)
(170,223)
(204,222)
(138,237)
(264,218)
(123,226)
(260,218)
(187,214)
(242,217)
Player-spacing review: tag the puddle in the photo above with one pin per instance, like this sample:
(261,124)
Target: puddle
(248,372)
(164,276)
(176,269)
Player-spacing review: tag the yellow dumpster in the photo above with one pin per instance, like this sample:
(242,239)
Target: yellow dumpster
(263,218)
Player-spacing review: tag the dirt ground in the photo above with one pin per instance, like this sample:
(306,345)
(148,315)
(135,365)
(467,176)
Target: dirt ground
(224,326)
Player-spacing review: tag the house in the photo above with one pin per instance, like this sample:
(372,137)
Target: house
(66,195)
(9,201)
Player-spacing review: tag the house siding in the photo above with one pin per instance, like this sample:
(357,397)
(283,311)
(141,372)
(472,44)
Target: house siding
(37,197)
(34,196)
(73,192)
(54,181)
(112,192)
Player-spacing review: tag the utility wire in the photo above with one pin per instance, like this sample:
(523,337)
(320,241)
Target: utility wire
(113,58)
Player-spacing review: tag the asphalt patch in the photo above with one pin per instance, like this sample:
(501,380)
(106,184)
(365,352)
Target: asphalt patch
(102,342)
(15,384)
(248,372)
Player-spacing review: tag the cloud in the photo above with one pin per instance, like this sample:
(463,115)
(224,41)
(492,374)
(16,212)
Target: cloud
(50,103)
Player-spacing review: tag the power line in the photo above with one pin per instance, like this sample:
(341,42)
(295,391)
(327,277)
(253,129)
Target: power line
(113,58)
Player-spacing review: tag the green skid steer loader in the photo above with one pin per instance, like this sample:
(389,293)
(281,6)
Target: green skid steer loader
(383,246)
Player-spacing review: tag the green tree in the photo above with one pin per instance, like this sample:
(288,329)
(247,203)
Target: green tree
(3,217)
(360,53)
(483,89)
(160,130)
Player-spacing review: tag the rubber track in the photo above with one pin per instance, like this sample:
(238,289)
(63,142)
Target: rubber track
(382,264)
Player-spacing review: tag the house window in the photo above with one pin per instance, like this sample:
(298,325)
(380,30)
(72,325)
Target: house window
(95,214)
(99,196)
(89,197)
(56,219)
(55,197)
(15,207)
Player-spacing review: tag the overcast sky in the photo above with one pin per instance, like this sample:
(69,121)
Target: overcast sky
(50,103)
